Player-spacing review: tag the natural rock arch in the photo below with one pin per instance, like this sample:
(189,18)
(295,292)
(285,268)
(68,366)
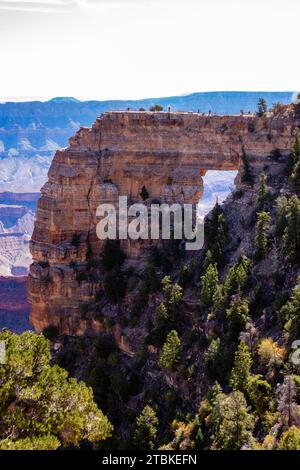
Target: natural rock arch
(168,153)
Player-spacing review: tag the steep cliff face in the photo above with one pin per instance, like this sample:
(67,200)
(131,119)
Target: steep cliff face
(124,151)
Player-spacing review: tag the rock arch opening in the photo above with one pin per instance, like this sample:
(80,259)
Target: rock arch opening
(217,185)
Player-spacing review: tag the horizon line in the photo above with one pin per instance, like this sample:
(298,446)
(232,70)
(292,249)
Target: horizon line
(32,99)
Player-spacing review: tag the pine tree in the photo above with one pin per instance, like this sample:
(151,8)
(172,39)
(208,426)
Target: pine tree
(261,237)
(237,315)
(295,166)
(237,277)
(247,176)
(291,236)
(173,294)
(262,107)
(241,368)
(218,301)
(262,190)
(171,351)
(282,209)
(213,360)
(208,260)
(175,298)
(215,235)
(146,429)
(167,286)
(162,312)
(210,282)
(231,421)
(295,177)
(290,312)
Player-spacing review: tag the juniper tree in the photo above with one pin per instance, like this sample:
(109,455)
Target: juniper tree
(41,406)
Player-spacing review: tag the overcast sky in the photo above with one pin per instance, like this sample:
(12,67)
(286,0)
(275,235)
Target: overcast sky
(106,49)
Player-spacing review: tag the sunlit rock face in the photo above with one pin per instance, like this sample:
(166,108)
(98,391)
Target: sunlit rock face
(168,153)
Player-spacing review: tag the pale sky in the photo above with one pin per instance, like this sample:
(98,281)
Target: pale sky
(107,49)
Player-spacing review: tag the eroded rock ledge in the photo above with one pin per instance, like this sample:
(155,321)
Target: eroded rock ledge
(124,151)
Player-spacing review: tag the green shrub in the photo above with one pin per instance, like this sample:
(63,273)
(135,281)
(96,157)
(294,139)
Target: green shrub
(156,107)
(43,406)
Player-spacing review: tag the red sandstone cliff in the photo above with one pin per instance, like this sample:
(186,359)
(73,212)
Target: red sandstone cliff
(121,153)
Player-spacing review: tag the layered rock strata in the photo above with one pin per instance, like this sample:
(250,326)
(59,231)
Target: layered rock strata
(167,153)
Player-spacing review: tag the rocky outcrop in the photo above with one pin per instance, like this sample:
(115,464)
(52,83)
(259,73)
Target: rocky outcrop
(122,152)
